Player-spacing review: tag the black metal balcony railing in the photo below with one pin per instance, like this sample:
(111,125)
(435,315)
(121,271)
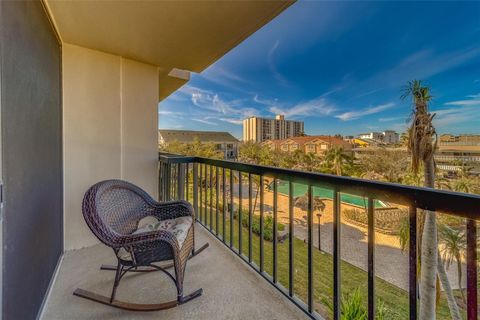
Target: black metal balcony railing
(196,179)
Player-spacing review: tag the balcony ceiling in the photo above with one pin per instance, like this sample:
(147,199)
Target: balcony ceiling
(189,35)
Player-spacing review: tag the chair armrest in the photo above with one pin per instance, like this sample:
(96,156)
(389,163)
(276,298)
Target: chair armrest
(172,210)
(146,239)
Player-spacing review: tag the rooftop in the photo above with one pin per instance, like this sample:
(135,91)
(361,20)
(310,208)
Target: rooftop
(189,136)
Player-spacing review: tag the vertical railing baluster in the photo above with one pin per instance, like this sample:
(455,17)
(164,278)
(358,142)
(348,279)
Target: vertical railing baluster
(217,191)
(200,193)
(195,189)
(371,259)
(472,302)
(160,179)
(239,214)
(174,181)
(168,179)
(412,263)
(205,206)
(310,248)
(224,205)
(291,270)
(250,213)
(180,181)
(211,199)
(231,208)
(262,199)
(336,255)
(187,172)
(274,231)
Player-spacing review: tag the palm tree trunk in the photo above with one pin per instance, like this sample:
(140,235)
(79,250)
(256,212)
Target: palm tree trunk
(459,273)
(428,272)
(452,304)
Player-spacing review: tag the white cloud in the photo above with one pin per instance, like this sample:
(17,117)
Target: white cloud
(473,100)
(267,102)
(422,64)
(232,120)
(352,115)
(220,75)
(461,111)
(388,119)
(315,107)
(205,121)
(273,68)
(170,113)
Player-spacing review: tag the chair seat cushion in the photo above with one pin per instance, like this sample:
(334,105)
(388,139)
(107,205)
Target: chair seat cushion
(178,227)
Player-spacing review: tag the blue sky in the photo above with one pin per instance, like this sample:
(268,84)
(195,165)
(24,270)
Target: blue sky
(340,67)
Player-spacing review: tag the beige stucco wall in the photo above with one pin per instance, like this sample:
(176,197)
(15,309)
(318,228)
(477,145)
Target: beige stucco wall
(110,129)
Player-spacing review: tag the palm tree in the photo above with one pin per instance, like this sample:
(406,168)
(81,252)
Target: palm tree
(464,183)
(422,142)
(337,160)
(454,247)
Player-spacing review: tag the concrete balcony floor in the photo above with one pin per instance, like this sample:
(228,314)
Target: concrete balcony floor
(232,290)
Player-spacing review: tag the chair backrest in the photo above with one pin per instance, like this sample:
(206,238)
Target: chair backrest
(114,207)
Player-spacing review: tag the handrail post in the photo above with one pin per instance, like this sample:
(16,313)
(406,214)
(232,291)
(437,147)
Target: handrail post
(472,306)
(195,189)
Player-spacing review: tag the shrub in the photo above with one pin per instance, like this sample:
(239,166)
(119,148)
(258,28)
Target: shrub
(267,225)
(352,307)
(389,219)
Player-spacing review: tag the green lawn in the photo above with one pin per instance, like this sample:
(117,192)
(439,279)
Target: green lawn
(394,298)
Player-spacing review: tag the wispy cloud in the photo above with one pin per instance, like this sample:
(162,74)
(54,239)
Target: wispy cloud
(316,107)
(211,103)
(352,115)
(389,119)
(273,68)
(267,102)
(232,120)
(472,100)
(224,77)
(205,121)
(367,93)
(422,65)
(462,110)
(170,113)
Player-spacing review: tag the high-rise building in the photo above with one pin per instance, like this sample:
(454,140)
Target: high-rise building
(261,129)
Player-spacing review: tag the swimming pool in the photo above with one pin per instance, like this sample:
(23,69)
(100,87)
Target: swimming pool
(301,189)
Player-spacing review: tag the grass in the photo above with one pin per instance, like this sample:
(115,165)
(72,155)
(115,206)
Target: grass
(394,299)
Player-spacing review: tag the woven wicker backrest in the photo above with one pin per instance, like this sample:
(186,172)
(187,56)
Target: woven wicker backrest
(114,207)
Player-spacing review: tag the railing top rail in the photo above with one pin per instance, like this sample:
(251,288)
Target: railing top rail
(456,203)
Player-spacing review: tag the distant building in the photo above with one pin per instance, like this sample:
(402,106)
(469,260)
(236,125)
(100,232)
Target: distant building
(457,158)
(390,137)
(460,140)
(224,141)
(318,145)
(261,129)
(378,136)
(387,136)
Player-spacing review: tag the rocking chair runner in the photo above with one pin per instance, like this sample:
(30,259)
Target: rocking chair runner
(141,232)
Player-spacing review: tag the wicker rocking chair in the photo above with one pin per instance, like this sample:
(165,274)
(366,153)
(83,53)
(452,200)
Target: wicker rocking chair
(142,233)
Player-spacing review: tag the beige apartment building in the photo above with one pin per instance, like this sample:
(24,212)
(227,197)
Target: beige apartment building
(261,129)
(318,145)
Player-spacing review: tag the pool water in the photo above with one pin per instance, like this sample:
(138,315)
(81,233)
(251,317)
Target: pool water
(301,189)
